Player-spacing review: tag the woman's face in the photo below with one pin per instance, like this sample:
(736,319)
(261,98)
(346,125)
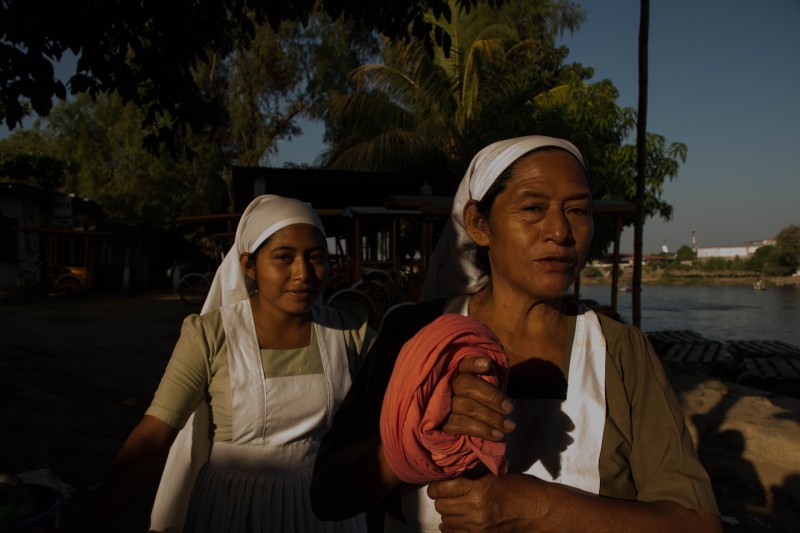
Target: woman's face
(539,228)
(290,269)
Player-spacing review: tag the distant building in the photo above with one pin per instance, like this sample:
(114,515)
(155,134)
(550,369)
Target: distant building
(730,252)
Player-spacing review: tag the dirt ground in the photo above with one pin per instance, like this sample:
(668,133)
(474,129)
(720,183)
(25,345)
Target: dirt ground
(76,376)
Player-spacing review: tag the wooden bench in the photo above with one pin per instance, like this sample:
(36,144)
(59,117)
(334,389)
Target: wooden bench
(759,348)
(765,364)
(688,349)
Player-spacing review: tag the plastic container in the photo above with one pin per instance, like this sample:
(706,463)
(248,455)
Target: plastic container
(32,505)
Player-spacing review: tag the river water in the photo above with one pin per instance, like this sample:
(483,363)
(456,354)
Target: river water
(717,313)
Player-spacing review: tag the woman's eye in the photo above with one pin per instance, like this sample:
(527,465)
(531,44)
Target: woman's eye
(283,257)
(580,210)
(318,258)
(534,208)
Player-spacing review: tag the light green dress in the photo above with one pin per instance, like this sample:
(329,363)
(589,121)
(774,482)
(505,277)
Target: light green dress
(253,472)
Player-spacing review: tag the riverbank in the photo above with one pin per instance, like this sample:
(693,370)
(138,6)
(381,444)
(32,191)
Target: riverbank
(692,277)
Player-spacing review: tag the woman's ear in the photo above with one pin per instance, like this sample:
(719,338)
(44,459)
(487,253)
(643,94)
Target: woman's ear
(476,224)
(244,260)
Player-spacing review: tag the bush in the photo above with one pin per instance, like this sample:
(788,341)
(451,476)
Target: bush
(715,264)
(757,261)
(591,272)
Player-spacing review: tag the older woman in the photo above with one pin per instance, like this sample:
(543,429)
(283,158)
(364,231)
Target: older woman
(595,439)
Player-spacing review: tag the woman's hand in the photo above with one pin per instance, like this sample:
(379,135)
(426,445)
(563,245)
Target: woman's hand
(479,409)
(488,503)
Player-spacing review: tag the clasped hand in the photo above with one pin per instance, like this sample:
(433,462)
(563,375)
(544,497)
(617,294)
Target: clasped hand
(479,409)
(487,503)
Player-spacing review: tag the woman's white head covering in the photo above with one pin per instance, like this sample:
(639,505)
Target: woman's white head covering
(263,217)
(452,270)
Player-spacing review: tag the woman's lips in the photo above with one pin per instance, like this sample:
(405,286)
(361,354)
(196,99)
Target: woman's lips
(300,294)
(556,263)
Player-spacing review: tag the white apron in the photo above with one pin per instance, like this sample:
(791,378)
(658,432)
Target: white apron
(568,456)
(259,481)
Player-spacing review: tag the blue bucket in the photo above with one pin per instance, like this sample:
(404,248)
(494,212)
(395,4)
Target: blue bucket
(44,513)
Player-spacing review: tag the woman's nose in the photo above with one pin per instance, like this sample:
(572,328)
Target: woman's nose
(556,226)
(301,268)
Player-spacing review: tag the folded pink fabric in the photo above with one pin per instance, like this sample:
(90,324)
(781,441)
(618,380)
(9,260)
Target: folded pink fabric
(418,401)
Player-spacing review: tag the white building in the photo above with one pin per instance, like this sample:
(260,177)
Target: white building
(731,252)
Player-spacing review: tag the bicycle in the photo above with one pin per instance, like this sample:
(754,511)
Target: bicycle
(193,287)
(354,300)
(51,281)
(377,294)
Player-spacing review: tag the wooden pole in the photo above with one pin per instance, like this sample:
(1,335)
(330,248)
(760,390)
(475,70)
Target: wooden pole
(641,159)
(615,264)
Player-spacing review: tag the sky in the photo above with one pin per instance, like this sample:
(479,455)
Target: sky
(724,80)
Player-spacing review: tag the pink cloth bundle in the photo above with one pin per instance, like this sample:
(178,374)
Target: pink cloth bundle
(418,401)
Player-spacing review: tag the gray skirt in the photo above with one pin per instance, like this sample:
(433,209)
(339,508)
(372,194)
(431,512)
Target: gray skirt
(239,490)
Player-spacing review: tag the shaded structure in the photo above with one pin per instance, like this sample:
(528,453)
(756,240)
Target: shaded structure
(619,210)
(382,228)
(333,189)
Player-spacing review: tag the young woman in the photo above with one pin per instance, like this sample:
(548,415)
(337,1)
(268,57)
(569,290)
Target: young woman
(594,436)
(254,382)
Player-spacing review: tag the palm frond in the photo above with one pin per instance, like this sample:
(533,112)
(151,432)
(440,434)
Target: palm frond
(392,150)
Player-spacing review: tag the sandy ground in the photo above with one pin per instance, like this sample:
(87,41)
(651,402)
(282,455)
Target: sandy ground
(76,376)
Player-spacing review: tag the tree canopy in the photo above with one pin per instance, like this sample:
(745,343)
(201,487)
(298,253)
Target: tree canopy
(147,51)
(785,258)
(282,75)
(92,147)
(685,253)
(29,157)
(100,142)
(435,110)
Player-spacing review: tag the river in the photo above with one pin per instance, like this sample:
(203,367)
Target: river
(718,313)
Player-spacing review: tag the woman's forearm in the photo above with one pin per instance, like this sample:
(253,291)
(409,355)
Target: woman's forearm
(144,450)
(566,509)
(598,513)
(351,480)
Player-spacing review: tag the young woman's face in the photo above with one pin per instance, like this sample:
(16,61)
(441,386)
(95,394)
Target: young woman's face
(290,269)
(540,226)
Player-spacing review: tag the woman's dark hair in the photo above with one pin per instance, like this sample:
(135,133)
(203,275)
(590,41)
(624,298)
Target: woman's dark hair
(251,257)
(485,204)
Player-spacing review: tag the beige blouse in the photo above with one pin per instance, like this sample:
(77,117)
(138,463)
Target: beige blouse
(198,369)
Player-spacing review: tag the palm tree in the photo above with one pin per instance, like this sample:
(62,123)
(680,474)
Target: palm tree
(429,110)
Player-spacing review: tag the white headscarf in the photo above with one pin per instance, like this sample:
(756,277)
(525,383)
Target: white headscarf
(452,271)
(263,217)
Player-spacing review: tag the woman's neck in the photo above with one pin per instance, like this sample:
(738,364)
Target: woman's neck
(526,329)
(278,330)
